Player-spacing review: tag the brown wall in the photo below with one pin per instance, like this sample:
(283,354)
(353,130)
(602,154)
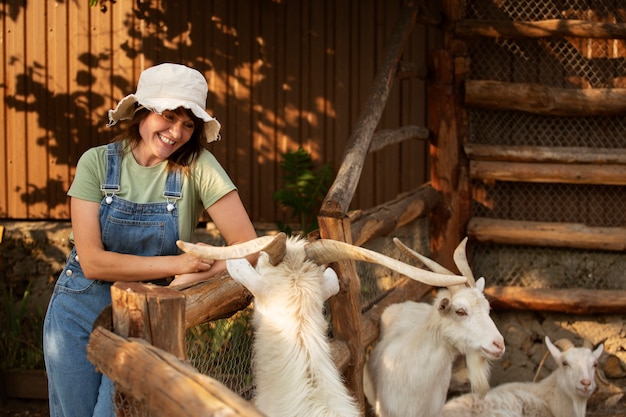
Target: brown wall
(281,74)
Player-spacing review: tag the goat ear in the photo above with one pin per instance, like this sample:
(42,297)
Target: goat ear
(444,305)
(244,273)
(331,283)
(598,351)
(554,351)
(480,284)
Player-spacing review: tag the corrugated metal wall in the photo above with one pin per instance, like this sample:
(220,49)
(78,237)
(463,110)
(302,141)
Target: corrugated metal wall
(282,73)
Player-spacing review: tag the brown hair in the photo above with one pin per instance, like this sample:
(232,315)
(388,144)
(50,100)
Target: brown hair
(184,156)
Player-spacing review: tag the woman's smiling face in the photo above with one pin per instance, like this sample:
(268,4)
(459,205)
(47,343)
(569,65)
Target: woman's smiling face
(162,135)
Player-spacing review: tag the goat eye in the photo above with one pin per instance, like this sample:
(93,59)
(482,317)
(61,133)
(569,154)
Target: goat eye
(565,363)
(460,312)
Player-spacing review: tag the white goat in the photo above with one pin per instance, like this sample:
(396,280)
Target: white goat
(408,372)
(293,368)
(564,393)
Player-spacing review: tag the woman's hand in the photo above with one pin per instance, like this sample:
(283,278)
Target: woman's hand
(190,264)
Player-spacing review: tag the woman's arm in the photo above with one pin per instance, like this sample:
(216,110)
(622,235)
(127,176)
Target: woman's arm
(232,221)
(100,264)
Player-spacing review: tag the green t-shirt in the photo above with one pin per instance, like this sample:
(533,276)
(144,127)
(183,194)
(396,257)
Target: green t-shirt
(205,183)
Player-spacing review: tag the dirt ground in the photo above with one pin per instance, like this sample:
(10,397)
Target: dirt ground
(24,408)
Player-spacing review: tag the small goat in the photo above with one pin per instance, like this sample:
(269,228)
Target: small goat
(408,372)
(564,393)
(294,372)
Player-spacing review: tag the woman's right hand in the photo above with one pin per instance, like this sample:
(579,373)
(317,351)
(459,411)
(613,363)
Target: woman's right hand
(190,264)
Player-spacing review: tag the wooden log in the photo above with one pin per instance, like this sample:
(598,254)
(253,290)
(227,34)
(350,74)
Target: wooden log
(385,218)
(564,155)
(152,313)
(342,190)
(571,300)
(220,297)
(449,173)
(345,307)
(540,99)
(552,28)
(608,174)
(567,235)
(162,383)
(384,138)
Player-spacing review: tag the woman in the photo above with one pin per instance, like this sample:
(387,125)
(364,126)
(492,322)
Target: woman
(130,201)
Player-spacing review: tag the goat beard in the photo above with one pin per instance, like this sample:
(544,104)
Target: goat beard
(479,371)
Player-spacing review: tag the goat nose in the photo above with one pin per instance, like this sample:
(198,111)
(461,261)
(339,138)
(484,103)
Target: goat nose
(585,382)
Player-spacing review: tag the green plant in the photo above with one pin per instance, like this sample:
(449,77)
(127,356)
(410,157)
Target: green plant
(303,190)
(21,326)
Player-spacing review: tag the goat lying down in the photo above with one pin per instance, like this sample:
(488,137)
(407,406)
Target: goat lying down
(294,372)
(408,372)
(564,393)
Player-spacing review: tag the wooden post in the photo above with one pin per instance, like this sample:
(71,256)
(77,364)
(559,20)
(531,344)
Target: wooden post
(345,307)
(448,126)
(154,314)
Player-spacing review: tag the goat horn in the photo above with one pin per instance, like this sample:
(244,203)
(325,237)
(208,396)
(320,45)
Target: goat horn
(325,251)
(564,344)
(240,250)
(460,259)
(432,265)
(587,344)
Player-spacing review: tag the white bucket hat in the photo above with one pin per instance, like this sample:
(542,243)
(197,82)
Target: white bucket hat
(168,87)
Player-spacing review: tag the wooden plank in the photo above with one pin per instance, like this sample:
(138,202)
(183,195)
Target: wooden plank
(243,86)
(544,100)
(292,89)
(341,81)
(563,155)
(609,174)
(552,28)
(218,298)
(4,159)
(58,112)
(364,45)
(100,71)
(413,165)
(17,150)
(264,113)
(388,160)
(569,235)
(570,300)
(37,116)
(389,216)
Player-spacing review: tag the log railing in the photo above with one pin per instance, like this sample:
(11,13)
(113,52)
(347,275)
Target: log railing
(567,165)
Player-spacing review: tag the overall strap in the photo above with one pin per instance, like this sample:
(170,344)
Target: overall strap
(173,187)
(113,170)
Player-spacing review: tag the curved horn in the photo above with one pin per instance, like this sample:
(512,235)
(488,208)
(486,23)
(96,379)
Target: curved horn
(460,260)
(276,249)
(563,344)
(240,250)
(432,265)
(325,251)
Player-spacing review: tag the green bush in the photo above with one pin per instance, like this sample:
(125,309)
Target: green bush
(303,190)
(21,328)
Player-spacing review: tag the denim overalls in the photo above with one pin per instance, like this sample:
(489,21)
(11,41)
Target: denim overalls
(149,229)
